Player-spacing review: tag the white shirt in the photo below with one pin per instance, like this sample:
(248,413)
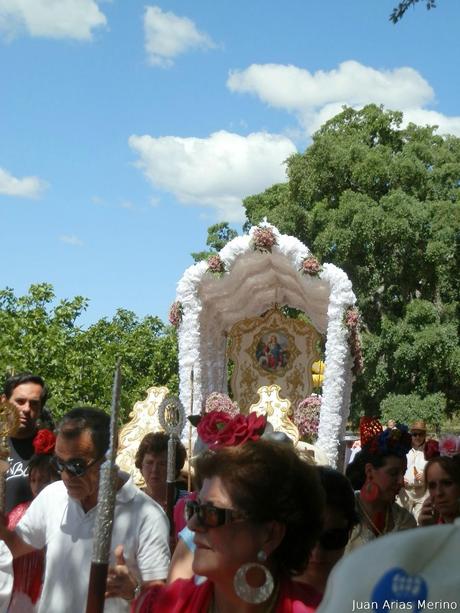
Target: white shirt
(58,521)
(415,459)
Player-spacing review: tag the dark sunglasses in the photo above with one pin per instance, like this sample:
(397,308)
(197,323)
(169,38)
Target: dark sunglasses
(75,468)
(418,433)
(210,516)
(334,539)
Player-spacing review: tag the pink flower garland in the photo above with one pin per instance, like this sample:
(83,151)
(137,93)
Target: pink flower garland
(353,323)
(175,313)
(306,417)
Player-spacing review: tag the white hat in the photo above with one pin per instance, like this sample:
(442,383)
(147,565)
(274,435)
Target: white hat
(415,570)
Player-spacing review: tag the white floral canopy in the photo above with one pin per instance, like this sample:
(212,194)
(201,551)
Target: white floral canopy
(254,281)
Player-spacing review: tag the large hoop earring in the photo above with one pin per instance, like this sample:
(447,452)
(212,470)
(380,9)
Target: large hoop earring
(370,491)
(253,595)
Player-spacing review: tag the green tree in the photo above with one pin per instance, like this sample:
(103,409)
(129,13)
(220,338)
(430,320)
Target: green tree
(382,202)
(78,364)
(218,236)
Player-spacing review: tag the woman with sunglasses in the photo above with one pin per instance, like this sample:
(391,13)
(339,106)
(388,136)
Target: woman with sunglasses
(377,473)
(256,520)
(339,520)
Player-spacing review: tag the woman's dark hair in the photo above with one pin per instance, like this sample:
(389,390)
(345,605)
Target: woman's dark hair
(269,482)
(43,463)
(339,493)
(356,470)
(156,443)
(451,465)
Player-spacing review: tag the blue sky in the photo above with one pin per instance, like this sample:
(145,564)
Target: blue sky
(127,128)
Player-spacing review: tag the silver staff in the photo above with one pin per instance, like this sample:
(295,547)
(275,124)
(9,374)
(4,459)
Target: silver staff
(105,509)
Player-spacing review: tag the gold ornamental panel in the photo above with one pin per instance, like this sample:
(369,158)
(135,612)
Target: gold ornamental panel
(144,420)
(272,350)
(276,409)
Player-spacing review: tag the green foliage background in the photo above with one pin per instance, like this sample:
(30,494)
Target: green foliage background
(39,335)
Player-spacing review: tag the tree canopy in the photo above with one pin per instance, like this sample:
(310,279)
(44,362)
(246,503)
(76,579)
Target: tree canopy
(399,11)
(382,202)
(41,335)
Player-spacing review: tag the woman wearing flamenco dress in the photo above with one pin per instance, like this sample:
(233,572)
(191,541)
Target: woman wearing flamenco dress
(377,473)
(255,522)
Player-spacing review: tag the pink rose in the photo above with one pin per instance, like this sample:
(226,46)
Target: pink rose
(449,445)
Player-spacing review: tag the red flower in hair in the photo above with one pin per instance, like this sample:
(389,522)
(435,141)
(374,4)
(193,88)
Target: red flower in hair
(431,449)
(219,429)
(44,442)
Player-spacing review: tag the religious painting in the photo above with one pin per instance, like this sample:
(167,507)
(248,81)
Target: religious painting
(272,351)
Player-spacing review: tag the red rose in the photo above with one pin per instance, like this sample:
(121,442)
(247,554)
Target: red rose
(44,442)
(431,449)
(218,429)
(211,424)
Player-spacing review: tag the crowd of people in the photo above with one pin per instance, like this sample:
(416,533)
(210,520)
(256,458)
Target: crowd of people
(263,530)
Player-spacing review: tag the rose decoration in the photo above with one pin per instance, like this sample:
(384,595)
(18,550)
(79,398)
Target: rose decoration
(175,313)
(263,239)
(44,442)
(449,445)
(310,266)
(216,265)
(219,429)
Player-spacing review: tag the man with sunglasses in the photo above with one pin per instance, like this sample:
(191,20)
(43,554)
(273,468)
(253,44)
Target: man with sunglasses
(414,493)
(62,517)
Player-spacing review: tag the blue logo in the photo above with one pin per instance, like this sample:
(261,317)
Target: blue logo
(396,586)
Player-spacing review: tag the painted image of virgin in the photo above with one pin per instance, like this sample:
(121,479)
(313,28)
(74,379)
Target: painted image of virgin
(272,351)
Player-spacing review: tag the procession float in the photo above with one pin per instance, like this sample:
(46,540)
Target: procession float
(264,325)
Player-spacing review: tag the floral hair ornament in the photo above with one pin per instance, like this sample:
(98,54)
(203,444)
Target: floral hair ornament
(44,442)
(369,427)
(449,445)
(396,441)
(220,429)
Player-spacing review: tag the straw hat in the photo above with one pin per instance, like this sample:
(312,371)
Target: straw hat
(419,424)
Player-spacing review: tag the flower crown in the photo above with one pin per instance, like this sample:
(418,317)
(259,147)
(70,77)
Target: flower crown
(43,442)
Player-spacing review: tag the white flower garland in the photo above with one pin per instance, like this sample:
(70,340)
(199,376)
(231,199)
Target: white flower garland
(211,305)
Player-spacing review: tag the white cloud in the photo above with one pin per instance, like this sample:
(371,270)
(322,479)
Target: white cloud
(51,18)
(27,187)
(425,117)
(316,97)
(167,36)
(71,239)
(218,171)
